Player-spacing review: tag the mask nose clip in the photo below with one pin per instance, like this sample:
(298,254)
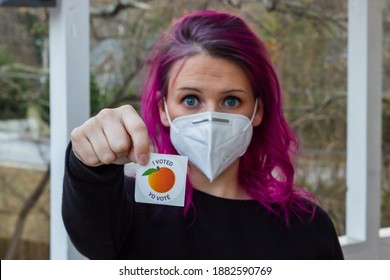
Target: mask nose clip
(213,119)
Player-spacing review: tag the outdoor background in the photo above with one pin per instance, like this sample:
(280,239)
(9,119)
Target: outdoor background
(307,40)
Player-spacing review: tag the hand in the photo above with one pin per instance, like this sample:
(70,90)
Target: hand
(113,136)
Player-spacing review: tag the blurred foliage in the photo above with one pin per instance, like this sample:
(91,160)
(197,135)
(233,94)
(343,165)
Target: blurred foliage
(12,103)
(308,48)
(99,99)
(11,93)
(23,85)
(4,57)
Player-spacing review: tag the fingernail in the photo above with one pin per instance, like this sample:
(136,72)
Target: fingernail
(143,159)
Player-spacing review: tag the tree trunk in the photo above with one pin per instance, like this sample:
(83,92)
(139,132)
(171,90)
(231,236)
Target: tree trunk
(28,205)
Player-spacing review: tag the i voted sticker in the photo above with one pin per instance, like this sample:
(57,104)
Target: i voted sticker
(162,180)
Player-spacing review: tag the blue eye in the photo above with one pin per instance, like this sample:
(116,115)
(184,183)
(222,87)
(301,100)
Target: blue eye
(190,101)
(232,101)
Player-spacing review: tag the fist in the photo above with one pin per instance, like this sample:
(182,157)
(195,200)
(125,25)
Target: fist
(113,136)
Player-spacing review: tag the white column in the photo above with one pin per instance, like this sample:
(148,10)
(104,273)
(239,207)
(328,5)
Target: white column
(364,127)
(69,102)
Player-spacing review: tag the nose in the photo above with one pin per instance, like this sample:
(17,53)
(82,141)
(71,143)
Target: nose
(211,106)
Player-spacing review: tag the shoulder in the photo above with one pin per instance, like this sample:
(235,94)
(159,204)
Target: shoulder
(320,217)
(317,230)
(311,214)
(307,218)
(321,226)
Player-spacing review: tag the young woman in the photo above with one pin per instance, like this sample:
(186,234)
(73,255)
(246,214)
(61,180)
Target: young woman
(241,202)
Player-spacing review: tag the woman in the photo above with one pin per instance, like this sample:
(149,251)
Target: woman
(240,198)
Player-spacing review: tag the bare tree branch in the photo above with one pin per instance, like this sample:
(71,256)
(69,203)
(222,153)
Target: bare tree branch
(114,9)
(117,100)
(301,10)
(315,112)
(28,205)
(20,67)
(10,188)
(270,5)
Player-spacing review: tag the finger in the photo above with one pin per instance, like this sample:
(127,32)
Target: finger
(123,160)
(118,138)
(135,126)
(83,150)
(101,147)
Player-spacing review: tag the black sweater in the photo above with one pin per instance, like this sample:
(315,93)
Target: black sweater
(104,222)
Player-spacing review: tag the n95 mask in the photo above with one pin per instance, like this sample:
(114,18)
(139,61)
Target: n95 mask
(212,141)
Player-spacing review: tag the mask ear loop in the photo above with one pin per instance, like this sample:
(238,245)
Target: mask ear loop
(166,112)
(253,116)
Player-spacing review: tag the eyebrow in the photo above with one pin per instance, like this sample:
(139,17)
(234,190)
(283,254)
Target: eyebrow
(224,92)
(188,88)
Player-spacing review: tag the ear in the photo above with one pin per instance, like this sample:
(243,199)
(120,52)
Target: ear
(259,114)
(163,114)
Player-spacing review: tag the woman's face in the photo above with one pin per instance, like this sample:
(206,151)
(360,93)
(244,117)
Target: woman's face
(204,83)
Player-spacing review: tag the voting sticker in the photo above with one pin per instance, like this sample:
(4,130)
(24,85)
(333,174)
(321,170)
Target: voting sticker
(162,180)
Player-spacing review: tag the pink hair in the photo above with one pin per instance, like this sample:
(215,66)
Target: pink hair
(266,169)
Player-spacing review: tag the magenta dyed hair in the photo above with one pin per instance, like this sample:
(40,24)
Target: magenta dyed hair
(266,169)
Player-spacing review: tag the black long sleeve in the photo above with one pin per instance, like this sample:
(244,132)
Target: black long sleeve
(96,208)
(104,222)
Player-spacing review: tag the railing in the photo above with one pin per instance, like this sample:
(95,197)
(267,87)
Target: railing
(363,235)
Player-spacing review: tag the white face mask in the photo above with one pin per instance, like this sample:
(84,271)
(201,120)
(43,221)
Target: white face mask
(212,141)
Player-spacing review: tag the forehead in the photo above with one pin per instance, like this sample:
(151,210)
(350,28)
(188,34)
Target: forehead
(206,69)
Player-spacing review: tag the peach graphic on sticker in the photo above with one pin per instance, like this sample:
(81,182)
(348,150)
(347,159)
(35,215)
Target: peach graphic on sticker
(160,179)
